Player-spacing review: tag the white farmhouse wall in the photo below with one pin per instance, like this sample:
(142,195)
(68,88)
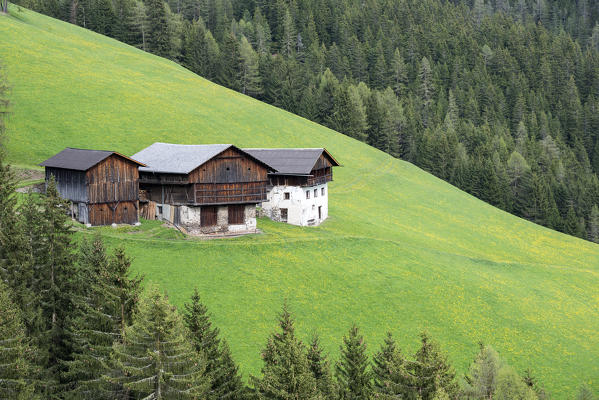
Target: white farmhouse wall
(301,210)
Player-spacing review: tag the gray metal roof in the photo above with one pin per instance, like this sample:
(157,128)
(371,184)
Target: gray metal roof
(290,161)
(177,158)
(80,159)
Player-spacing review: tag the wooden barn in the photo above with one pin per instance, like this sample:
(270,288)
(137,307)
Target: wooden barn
(103,186)
(202,189)
(298,189)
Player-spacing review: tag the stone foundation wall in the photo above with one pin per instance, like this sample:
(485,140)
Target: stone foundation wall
(190,219)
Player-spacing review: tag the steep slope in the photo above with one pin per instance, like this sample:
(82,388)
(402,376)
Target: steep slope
(402,251)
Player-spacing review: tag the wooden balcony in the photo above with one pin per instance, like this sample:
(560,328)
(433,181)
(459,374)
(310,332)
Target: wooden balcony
(230,193)
(318,180)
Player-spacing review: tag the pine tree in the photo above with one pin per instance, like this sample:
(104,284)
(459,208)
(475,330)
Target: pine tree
(16,368)
(320,368)
(227,383)
(593,225)
(351,371)
(159,32)
(427,89)
(432,371)
(50,234)
(193,47)
(388,370)
(400,73)
(154,359)
(230,63)
(15,254)
(104,309)
(250,80)
(286,372)
(220,367)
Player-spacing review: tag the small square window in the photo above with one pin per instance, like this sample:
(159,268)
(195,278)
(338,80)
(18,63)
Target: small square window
(284,215)
(159,209)
(322,191)
(315,193)
(307,194)
(287,195)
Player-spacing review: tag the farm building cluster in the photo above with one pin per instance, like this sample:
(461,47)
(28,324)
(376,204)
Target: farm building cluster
(200,189)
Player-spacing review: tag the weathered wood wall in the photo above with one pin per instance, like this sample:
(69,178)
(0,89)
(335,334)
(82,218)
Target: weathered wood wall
(214,193)
(119,213)
(71,185)
(322,162)
(230,177)
(229,167)
(114,179)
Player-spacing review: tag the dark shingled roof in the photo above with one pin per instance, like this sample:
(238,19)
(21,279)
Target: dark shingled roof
(171,158)
(291,161)
(80,159)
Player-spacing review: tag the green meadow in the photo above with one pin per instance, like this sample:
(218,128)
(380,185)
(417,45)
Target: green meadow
(401,251)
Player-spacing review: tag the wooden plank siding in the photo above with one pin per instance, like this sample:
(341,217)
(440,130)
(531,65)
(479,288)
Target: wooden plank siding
(228,178)
(245,192)
(119,213)
(71,184)
(112,180)
(228,167)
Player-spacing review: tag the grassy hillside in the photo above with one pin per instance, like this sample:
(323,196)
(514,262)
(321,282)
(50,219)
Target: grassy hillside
(402,251)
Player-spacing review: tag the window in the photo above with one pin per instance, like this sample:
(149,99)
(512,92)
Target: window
(307,194)
(159,209)
(284,215)
(208,216)
(322,191)
(236,214)
(315,193)
(287,196)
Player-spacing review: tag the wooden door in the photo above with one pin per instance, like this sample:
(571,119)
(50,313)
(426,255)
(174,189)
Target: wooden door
(208,215)
(236,214)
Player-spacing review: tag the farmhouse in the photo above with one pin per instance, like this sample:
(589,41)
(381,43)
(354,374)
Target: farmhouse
(202,189)
(298,188)
(102,186)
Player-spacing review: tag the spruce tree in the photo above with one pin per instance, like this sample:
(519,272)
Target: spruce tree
(286,372)
(50,234)
(229,70)
(227,382)
(104,309)
(351,371)
(154,359)
(220,366)
(593,225)
(389,369)
(16,355)
(320,368)
(193,47)
(15,252)
(159,32)
(432,371)
(249,80)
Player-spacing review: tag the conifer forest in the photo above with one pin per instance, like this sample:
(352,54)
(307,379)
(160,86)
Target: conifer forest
(498,97)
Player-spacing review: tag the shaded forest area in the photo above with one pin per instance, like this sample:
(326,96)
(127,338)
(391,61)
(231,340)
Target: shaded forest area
(499,98)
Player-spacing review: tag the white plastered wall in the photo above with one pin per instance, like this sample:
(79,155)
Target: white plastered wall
(301,210)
